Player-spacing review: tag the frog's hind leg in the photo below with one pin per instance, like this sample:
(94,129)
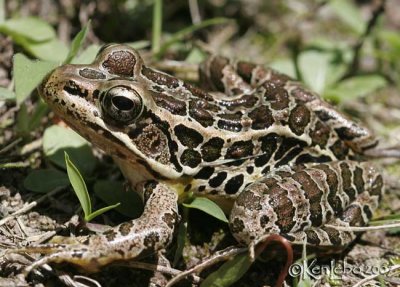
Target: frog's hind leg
(151,232)
(299,202)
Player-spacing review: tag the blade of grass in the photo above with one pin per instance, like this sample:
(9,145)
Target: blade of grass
(100,211)
(79,186)
(77,43)
(157,26)
(186,31)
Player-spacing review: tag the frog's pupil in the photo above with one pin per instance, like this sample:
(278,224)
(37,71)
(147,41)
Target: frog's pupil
(122,103)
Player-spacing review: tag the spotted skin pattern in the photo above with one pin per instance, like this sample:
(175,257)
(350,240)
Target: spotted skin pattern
(267,150)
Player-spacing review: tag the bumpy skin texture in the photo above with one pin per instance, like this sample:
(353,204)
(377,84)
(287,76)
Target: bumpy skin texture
(250,134)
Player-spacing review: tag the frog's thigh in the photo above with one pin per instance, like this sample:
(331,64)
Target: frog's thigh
(134,239)
(298,202)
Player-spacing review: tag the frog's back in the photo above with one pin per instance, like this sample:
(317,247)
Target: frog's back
(252,111)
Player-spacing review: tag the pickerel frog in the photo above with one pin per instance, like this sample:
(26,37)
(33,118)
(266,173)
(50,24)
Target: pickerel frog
(271,153)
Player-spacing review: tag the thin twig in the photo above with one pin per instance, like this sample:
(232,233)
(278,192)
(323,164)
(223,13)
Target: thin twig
(360,43)
(194,11)
(369,278)
(155,267)
(30,205)
(364,228)
(10,145)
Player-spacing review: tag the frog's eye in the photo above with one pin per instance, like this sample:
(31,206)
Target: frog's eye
(122,104)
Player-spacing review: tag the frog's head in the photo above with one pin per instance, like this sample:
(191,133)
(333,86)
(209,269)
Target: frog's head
(110,104)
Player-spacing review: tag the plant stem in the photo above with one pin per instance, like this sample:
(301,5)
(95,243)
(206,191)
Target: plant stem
(157,26)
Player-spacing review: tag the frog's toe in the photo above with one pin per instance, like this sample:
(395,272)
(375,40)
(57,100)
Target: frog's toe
(146,235)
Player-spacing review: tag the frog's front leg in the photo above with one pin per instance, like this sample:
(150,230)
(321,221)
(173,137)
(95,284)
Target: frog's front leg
(135,239)
(307,203)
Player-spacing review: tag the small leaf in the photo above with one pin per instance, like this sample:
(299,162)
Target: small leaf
(45,180)
(23,121)
(31,28)
(230,272)
(181,237)
(350,14)
(208,206)
(112,192)
(285,66)
(355,87)
(77,43)
(101,211)
(57,139)
(28,75)
(79,186)
(53,50)
(391,37)
(314,67)
(6,94)
(86,56)
(195,56)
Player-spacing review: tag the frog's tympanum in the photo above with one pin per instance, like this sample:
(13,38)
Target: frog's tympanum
(271,153)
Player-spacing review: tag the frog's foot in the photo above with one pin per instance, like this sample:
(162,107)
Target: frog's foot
(135,239)
(298,203)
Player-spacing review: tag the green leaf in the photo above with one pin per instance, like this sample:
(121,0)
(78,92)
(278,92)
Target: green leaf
(285,66)
(392,38)
(53,50)
(6,94)
(45,180)
(101,211)
(28,75)
(112,192)
(77,43)
(57,139)
(195,56)
(79,186)
(355,87)
(23,121)
(208,206)
(349,14)
(30,28)
(314,68)
(87,56)
(181,237)
(230,272)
